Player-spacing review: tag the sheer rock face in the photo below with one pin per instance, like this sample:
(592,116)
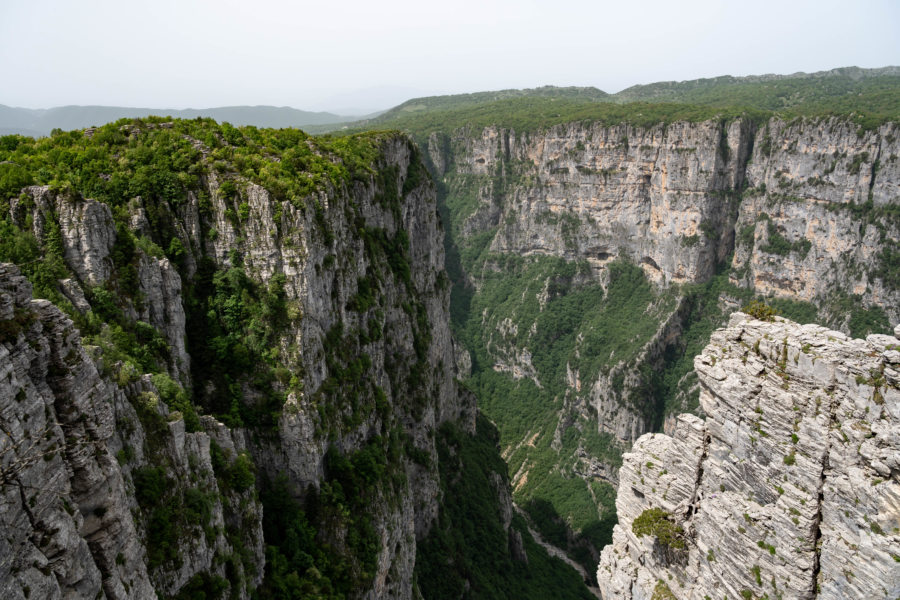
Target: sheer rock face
(85,227)
(802,205)
(88,234)
(790,487)
(163,308)
(321,279)
(597,193)
(665,197)
(816,185)
(68,492)
(101,542)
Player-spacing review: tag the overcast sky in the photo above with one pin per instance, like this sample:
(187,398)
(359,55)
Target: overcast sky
(370,54)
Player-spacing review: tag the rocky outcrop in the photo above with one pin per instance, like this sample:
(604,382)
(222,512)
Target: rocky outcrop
(163,308)
(590,192)
(666,197)
(85,230)
(71,449)
(790,486)
(83,227)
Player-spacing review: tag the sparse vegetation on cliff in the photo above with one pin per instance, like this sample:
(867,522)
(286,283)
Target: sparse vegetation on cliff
(660,524)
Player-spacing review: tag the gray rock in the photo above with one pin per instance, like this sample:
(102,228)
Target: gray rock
(787,486)
(676,200)
(133,430)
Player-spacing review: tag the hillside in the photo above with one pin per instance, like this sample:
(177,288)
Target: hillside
(292,291)
(468,101)
(872,95)
(842,86)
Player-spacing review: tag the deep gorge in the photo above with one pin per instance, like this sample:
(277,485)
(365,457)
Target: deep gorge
(250,374)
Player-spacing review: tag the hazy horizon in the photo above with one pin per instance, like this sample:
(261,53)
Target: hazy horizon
(365,57)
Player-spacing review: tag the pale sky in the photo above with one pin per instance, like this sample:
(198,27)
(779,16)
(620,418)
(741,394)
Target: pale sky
(336,54)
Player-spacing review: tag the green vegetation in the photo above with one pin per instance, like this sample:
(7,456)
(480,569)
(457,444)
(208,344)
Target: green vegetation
(662,592)
(325,545)
(43,265)
(888,269)
(172,513)
(766,546)
(468,553)
(233,326)
(203,586)
(235,475)
(756,574)
(232,322)
(870,95)
(778,244)
(760,310)
(576,325)
(320,542)
(542,319)
(464,101)
(849,310)
(534,113)
(660,524)
(869,98)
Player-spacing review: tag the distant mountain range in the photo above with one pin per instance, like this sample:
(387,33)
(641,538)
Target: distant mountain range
(874,92)
(771,92)
(39,122)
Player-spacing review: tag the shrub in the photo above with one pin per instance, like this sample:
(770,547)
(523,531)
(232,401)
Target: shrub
(660,524)
(760,310)
(242,477)
(149,485)
(662,592)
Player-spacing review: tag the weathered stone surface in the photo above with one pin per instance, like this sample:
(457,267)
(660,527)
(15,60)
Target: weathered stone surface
(68,530)
(84,226)
(275,242)
(71,442)
(677,199)
(805,181)
(788,488)
(599,193)
(163,308)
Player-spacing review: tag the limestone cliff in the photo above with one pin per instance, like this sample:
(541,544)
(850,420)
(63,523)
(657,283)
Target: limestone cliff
(789,487)
(76,462)
(596,193)
(818,220)
(594,260)
(331,310)
(804,210)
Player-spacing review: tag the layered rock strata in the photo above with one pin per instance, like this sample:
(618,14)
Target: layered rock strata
(71,446)
(803,210)
(667,197)
(789,488)
(360,265)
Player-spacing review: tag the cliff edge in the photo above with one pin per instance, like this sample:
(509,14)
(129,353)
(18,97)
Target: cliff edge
(790,488)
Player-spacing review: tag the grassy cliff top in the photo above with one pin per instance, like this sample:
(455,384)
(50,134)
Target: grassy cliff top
(163,158)
(870,97)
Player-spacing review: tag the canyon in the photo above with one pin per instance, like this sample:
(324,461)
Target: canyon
(232,360)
